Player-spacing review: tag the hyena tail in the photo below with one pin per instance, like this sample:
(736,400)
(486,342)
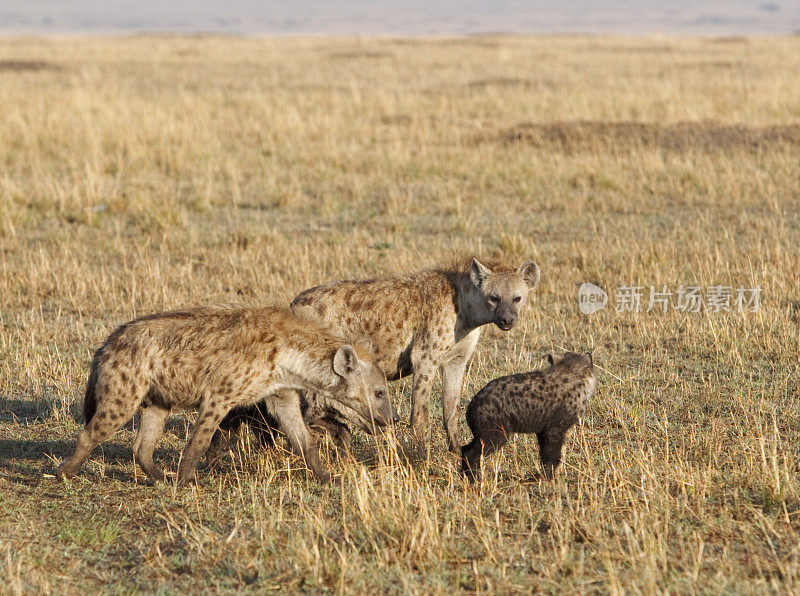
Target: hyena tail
(90,399)
(469,446)
(471,458)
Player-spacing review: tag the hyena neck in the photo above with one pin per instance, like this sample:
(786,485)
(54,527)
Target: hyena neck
(469,305)
(304,370)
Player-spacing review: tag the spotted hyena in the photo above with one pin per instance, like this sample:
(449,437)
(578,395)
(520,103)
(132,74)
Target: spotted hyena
(422,322)
(546,402)
(214,359)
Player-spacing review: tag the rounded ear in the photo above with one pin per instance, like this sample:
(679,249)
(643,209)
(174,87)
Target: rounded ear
(591,360)
(529,271)
(550,360)
(478,273)
(345,361)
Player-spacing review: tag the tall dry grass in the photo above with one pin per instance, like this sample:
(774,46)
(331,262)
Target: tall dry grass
(143,173)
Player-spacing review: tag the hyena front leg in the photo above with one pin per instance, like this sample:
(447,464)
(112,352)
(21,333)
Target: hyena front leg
(452,379)
(452,382)
(285,406)
(151,427)
(424,375)
(200,439)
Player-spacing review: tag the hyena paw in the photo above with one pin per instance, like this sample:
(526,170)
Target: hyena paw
(187,479)
(454,447)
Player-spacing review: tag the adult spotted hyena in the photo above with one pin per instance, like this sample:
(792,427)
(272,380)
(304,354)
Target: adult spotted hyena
(422,322)
(216,358)
(546,402)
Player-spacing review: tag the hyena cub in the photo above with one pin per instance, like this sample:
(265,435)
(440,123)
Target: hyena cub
(546,402)
(214,359)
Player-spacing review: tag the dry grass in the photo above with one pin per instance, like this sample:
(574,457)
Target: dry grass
(144,173)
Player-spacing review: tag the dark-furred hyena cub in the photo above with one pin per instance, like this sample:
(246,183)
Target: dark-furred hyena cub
(546,402)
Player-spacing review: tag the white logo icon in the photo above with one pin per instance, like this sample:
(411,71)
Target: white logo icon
(591,298)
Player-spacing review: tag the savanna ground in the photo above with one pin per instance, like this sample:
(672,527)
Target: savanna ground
(138,174)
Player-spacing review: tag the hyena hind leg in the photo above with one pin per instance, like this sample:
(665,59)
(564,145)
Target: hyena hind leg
(482,445)
(151,427)
(106,420)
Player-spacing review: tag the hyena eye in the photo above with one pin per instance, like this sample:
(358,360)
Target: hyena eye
(517,299)
(493,299)
(380,394)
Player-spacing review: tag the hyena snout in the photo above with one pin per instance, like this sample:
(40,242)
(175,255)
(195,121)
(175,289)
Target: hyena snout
(386,415)
(377,413)
(395,417)
(505,318)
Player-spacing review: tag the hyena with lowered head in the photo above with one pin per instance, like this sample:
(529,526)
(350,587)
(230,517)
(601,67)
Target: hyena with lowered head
(214,359)
(422,322)
(546,402)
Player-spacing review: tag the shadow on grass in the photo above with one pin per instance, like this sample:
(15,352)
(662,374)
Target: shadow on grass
(238,446)
(28,452)
(27,412)
(26,461)
(34,410)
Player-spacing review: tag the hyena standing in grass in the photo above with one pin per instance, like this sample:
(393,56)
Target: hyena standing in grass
(214,359)
(419,323)
(546,402)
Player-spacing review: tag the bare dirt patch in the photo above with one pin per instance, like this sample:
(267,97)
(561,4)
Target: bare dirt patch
(27,65)
(582,135)
(350,54)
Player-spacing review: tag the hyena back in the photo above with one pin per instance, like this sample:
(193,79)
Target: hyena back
(545,402)
(423,322)
(217,358)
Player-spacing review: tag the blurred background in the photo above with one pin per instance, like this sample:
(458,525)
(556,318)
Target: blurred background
(402,17)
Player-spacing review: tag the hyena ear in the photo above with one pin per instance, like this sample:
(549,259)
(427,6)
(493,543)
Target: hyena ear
(478,273)
(591,360)
(345,361)
(550,360)
(529,271)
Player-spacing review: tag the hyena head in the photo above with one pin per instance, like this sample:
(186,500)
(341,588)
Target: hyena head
(503,292)
(572,360)
(576,367)
(362,396)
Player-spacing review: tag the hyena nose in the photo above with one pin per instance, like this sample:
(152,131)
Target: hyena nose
(395,418)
